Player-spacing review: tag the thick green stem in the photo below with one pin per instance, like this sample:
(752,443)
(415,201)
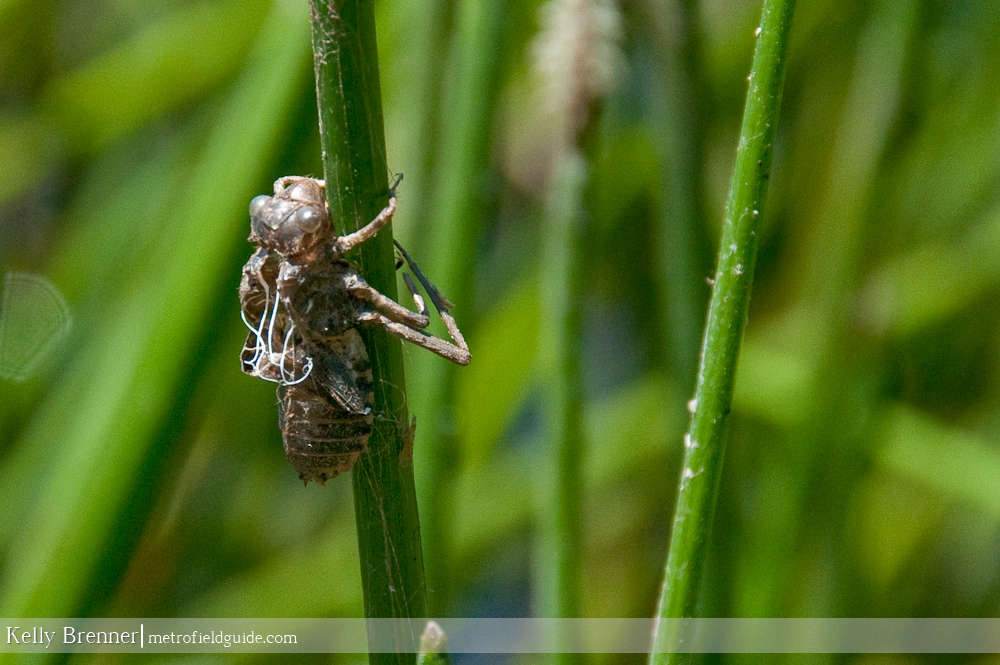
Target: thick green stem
(705,442)
(354,164)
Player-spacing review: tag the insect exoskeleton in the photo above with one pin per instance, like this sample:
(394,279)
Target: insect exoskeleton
(326,419)
(303,302)
(294,220)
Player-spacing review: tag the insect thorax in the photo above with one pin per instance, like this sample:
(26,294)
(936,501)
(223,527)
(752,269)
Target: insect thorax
(318,296)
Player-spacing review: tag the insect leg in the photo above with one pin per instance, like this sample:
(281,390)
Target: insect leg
(390,307)
(441,304)
(348,242)
(418,299)
(457,352)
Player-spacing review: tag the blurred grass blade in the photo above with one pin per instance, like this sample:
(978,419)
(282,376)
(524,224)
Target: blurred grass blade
(413,113)
(470,94)
(125,379)
(935,280)
(818,326)
(506,344)
(160,58)
(682,257)
(105,243)
(705,442)
(88,107)
(557,586)
(957,464)
(835,243)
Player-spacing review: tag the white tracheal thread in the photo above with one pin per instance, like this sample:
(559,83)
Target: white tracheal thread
(258,345)
(262,347)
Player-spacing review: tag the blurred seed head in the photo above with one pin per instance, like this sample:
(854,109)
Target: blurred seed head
(577,58)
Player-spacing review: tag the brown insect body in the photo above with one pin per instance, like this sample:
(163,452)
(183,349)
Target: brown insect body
(303,303)
(326,419)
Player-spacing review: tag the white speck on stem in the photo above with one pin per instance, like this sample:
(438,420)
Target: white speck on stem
(688,474)
(738,269)
(756,212)
(756,33)
(692,405)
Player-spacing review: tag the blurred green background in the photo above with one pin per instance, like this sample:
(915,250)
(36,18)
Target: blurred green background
(141,473)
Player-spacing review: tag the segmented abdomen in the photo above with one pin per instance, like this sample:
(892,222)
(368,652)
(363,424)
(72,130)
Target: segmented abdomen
(326,419)
(321,438)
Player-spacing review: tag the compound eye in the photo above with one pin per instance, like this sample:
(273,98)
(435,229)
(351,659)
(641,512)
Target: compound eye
(306,219)
(258,203)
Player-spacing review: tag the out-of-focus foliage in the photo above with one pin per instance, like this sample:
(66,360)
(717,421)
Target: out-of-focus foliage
(141,473)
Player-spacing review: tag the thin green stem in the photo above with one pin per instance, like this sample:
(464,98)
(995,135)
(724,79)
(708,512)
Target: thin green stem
(354,164)
(705,442)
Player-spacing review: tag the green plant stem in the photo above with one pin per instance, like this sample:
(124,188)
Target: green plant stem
(705,442)
(354,164)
